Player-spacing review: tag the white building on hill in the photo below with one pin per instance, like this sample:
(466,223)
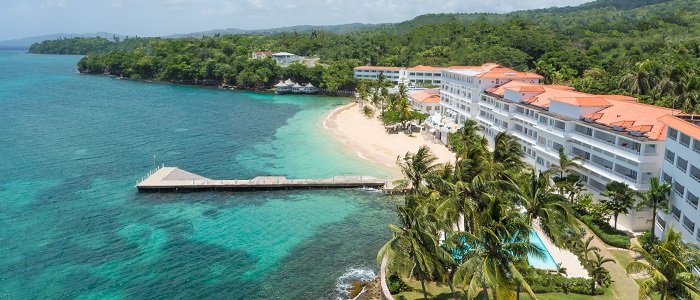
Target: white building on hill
(285,58)
(681,169)
(414,76)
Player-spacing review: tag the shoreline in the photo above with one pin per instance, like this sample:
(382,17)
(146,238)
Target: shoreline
(367,139)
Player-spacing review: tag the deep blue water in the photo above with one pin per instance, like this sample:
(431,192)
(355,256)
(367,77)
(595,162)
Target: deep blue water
(73,226)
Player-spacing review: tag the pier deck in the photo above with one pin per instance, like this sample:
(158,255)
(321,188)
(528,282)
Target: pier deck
(170,179)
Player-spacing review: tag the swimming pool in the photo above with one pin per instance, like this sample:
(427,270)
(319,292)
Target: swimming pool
(546,263)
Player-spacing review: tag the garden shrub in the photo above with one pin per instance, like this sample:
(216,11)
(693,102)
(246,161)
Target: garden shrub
(396,285)
(609,235)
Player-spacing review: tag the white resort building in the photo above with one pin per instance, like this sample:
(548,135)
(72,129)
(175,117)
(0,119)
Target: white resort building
(425,101)
(288,86)
(415,76)
(681,169)
(618,138)
(394,74)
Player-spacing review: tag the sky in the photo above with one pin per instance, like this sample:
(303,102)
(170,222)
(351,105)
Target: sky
(23,18)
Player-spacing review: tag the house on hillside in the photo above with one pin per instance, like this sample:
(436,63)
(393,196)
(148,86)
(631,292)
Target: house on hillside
(286,58)
(261,54)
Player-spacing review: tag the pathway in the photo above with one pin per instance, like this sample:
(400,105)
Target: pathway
(624,287)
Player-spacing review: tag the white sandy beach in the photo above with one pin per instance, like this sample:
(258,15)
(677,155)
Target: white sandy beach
(367,138)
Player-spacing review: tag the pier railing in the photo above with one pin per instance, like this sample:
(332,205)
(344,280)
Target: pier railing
(151,172)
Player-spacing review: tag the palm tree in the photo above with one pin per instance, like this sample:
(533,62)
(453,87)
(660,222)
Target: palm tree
(466,137)
(416,240)
(584,248)
(416,167)
(508,151)
(620,198)
(641,80)
(666,269)
(597,271)
(566,164)
(656,197)
(492,252)
(541,205)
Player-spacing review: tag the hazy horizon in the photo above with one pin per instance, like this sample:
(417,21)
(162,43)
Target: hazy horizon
(166,17)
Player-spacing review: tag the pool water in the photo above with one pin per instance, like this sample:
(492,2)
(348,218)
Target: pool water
(546,263)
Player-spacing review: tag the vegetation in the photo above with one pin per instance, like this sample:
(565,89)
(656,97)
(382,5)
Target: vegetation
(605,232)
(666,269)
(648,49)
(656,198)
(476,204)
(620,199)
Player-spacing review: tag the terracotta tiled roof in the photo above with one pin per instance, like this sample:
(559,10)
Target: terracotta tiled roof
(378,68)
(591,101)
(617,110)
(424,68)
(634,116)
(426,96)
(682,125)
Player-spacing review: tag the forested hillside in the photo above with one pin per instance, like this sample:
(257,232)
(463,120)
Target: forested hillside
(607,46)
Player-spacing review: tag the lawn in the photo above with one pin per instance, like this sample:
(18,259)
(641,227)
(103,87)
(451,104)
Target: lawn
(443,292)
(622,257)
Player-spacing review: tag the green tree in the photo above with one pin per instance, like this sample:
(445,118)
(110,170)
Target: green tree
(620,198)
(598,273)
(666,269)
(656,197)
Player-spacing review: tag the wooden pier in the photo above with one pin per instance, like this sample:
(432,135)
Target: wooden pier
(170,179)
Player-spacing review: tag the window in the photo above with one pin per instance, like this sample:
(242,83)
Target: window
(682,164)
(688,224)
(661,222)
(666,178)
(695,173)
(679,189)
(584,130)
(696,146)
(540,161)
(692,200)
(670,156)
(543,120)
(556,146)
(559,125)
(675,212)
(684,140)
(580,153)
(672,133)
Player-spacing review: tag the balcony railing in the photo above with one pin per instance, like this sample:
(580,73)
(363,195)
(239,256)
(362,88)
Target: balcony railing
(694,205)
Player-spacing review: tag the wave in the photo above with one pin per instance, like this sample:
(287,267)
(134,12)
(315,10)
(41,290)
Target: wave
(344,282)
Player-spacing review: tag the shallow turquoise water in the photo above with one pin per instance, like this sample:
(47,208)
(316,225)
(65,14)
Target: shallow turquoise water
(545,263)
(72,225)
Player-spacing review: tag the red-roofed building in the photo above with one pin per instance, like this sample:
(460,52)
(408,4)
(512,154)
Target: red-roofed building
(425,101)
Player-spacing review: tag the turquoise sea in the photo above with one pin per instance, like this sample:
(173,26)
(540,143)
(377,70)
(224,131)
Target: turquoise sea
(72,226)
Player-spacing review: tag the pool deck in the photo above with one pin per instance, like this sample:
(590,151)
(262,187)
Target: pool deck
(564,257)
(171,179)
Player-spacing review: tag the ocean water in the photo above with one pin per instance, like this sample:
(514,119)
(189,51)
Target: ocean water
(72,226)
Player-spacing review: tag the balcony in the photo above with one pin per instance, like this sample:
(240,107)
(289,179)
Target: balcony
(695,173)
(694,205)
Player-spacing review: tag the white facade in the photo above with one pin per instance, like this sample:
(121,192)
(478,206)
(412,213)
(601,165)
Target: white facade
(461,88)
(425,101)
(285,58)
(609,153)
(393,74)
(681,169)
